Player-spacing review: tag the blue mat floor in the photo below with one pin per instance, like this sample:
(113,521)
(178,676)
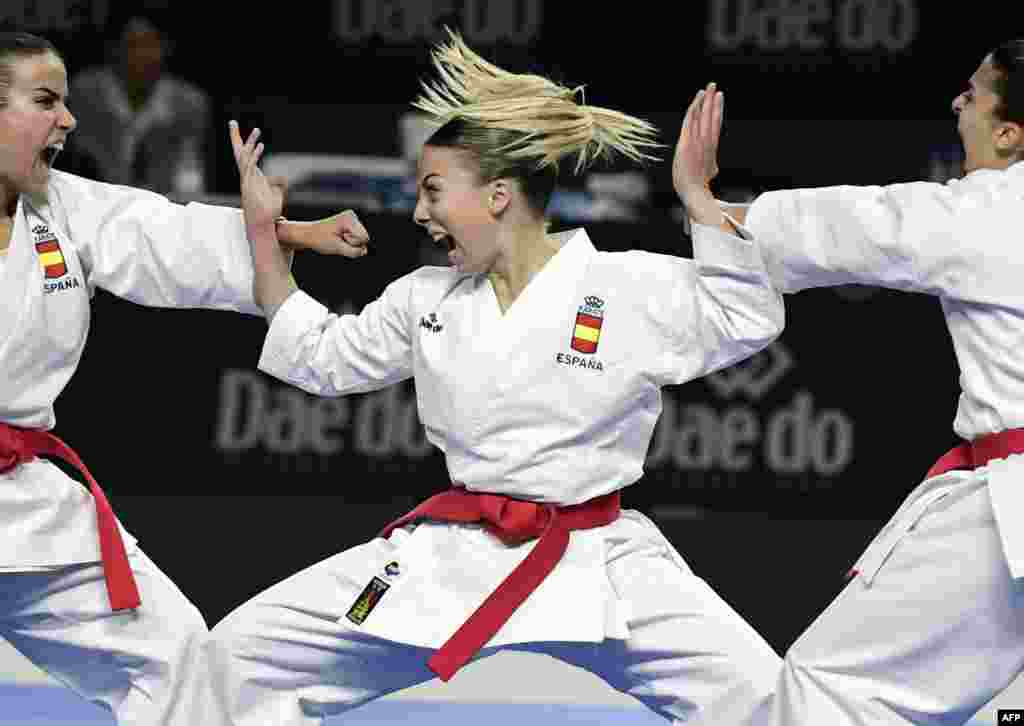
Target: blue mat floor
(48,706)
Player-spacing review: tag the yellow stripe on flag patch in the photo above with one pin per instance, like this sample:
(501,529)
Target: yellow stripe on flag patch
(585,333)
(51,258)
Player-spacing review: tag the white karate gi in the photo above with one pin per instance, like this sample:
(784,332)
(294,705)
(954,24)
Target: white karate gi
(54,606)
(933,627)
(518,411)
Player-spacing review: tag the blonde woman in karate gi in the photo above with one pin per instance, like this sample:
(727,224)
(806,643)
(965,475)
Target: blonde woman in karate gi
(538,362)
(931,625)
(78,597)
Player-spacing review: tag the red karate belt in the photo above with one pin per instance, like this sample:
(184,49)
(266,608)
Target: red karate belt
(513,521)
(975,454)
(18,446)
(980,451)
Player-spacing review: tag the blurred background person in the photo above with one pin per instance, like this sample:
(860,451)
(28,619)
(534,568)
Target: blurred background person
(140,125)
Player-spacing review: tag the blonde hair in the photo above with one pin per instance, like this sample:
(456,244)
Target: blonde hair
(521,124)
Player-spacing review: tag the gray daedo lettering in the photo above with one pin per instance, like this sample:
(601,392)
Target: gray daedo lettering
(407,21)
(255,412)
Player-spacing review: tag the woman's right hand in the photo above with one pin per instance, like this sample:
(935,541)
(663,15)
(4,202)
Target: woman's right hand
(262,203)
(262,199)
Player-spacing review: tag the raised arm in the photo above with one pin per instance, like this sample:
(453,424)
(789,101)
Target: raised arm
(695,163)
(262,202)
(904,236)
(720,307)
(308,346)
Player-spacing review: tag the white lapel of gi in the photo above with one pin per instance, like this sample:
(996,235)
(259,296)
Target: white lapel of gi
(504,345)
(549,293)
(1007,496)
(20,276)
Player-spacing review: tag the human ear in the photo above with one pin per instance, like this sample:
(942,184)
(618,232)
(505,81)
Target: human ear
(1010,139)
(500,196)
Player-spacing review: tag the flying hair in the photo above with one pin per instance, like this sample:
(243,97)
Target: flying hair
(545,120)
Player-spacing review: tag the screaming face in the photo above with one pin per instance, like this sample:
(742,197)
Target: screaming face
(452,206)
(977,124)
(34,123)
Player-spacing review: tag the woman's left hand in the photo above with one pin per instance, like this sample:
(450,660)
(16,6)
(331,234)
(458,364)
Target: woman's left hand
(696,159)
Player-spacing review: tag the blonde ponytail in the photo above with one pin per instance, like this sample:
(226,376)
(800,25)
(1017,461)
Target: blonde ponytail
(526,118)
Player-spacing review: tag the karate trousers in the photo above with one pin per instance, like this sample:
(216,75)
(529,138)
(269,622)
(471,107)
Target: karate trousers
(929,630)
(142,665)
(288,657)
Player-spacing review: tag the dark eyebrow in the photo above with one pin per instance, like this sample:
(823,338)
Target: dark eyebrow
(44,89)
(427,178)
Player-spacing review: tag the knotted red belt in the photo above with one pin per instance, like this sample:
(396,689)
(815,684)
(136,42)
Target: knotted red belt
(513,521)
(975,454)
(19,445)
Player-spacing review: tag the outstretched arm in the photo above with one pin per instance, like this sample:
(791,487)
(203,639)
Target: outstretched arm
(719,307)
(904,236)
(306,345)
(143,247)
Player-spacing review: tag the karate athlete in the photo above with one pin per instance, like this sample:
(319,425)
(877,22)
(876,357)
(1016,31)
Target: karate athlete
(931,625)
(538,364)
(77,595)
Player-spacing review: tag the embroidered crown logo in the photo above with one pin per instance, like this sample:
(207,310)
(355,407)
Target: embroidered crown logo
(587,326)
(431,324)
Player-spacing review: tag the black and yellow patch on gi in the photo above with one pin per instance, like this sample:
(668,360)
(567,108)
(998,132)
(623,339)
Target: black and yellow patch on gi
(367,600)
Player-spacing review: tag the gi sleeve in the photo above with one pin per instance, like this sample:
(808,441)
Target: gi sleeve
(902,236)
(333,355)
(140,246)
(713,310)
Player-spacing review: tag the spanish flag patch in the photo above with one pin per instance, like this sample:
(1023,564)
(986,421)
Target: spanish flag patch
(50,255)
(587,327)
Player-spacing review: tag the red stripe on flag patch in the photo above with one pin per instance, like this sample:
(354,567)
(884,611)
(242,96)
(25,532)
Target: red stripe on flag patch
(58,270)
(588,320)
(584,346)
(49,245)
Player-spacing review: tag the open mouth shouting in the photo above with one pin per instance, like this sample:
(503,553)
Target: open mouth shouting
(50,153)
(456,253)
(444,240)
